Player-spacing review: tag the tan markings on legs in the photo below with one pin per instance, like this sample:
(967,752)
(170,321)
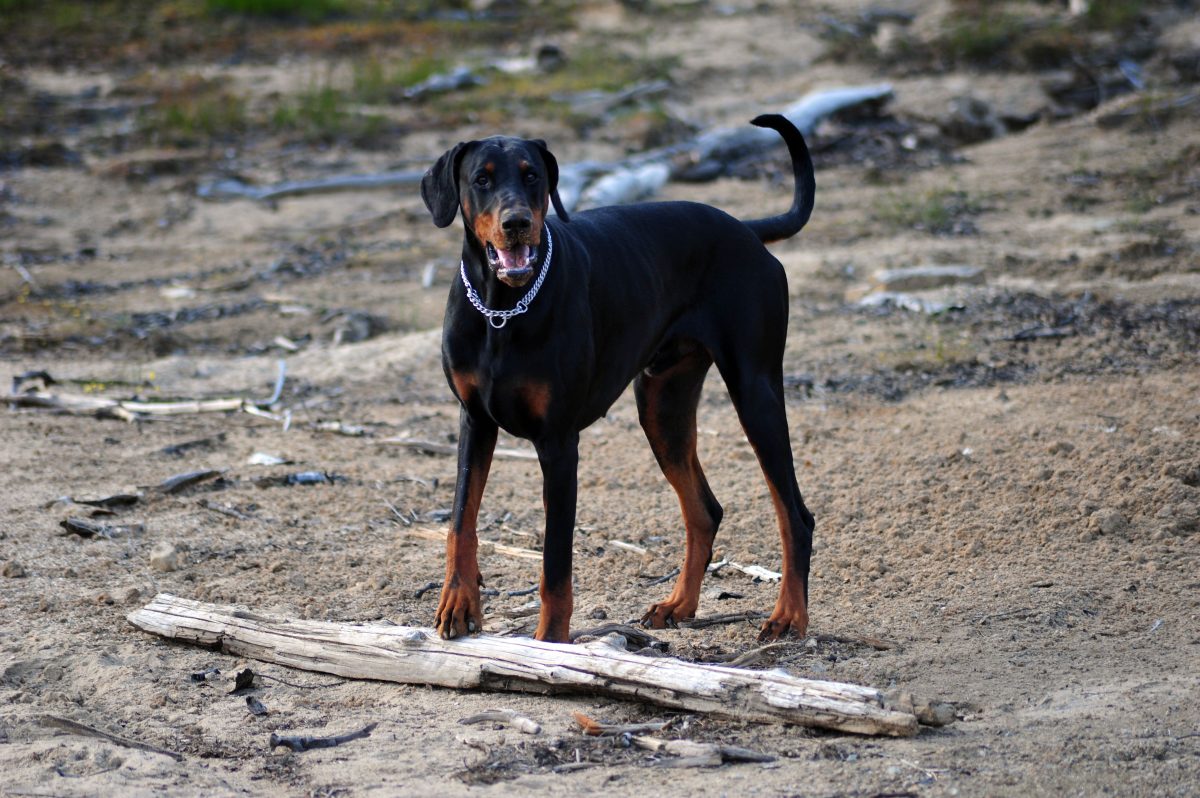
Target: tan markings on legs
(682,469)
(791,609)
(459,608)
(554,623)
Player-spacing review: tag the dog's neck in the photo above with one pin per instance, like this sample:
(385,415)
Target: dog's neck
(492,291)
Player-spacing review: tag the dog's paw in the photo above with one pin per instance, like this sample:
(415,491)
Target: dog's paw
(668,614)
(783,622)
(459,611)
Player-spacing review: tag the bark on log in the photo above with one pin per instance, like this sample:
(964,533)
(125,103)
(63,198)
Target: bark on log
(418,656)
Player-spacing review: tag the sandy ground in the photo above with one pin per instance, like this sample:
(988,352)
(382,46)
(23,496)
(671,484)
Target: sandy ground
(1008,492)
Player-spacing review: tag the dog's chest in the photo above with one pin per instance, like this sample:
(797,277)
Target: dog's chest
(519,403)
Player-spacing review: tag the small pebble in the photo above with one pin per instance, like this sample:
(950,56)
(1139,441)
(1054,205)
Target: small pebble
(164,557)
(13,569)
(1110,521)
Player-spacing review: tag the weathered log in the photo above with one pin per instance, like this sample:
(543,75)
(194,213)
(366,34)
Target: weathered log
(229,188)
(418,656)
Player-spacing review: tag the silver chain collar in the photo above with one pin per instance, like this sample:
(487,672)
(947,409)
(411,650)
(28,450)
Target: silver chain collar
(522,304)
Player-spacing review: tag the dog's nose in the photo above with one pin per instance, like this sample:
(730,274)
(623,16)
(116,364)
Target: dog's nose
(516,222)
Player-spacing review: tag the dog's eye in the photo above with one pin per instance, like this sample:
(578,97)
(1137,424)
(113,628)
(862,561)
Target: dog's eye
(482,181)
(531,178)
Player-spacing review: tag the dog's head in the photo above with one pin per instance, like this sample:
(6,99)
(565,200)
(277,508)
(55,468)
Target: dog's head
(504,187)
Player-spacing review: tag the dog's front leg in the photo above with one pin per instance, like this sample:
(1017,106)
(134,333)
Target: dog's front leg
(459,611)
(560,464)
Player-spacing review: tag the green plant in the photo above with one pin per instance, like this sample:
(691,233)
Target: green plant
(322,114)
(980,36)
(377,81)
(1051,45)
(195,109)
(311,10)
(939,211)
(1114,15)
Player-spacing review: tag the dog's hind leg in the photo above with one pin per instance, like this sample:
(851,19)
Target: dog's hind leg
(758,397)
(666,401)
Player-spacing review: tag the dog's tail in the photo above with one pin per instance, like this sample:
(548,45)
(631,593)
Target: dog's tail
(777,228)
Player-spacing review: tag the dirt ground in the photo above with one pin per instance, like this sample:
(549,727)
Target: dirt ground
(1005,471)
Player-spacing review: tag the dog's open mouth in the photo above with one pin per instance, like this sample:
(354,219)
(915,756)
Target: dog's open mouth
(513,266)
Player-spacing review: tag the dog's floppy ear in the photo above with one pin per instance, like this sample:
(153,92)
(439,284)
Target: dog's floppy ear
(551,177)
(439,186)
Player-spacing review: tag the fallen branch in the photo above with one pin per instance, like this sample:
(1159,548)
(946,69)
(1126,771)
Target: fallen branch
(485,546)
(697,754)
(594,728)
(704,156)
(635,636)
(756,572)
(719,620)
(74,727)
(879,644)
(430,447)
(505,717)
(306,743)
(91,529)
(630,547)
(236,189)
(133,409)
(224,510)
(181,482)
(418,656)
(756,655)
(1040,332)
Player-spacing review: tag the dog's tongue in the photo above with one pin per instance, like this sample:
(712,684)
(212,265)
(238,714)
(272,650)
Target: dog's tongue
(513,258)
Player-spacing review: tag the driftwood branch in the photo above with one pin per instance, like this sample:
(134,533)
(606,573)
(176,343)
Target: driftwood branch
(694,754)
(485,546)
(75,727)
(505,717)
(230,188)
(132,409)
(308,743)
(431,447)
(592,183)
(417,656)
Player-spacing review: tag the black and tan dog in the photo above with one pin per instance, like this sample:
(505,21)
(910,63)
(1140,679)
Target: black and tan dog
(551,319)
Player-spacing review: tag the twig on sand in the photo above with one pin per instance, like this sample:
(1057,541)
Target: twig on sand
(717,620)
(432,447)
(694,754)
(135,409)
(75,727)
(425,533)
(876,643)
(594,728)
(505,717)
(756,655)
(236,189)
(306,743)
